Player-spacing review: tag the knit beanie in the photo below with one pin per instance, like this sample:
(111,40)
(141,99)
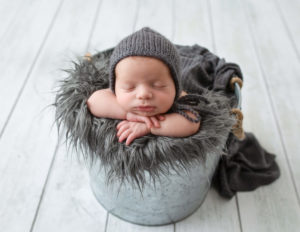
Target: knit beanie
(147,42)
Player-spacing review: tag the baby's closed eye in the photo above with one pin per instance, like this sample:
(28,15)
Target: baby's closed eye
(128,87)
(159,85)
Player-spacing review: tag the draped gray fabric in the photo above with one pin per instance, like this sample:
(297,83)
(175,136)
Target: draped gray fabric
(245,165)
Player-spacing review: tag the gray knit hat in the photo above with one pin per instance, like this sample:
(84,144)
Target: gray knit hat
(147,42)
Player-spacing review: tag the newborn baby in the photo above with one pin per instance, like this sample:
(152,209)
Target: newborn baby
(144,86)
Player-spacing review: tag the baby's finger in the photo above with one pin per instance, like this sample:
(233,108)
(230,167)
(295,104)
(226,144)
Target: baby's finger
(122,129)
(147,121)
(121,123)
(124,135)
(155,121)
(130,138)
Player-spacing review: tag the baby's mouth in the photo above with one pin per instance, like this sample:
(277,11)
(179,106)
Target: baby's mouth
(145,108)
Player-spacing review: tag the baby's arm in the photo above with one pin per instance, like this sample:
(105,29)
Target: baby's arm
(103,103)
(175,125)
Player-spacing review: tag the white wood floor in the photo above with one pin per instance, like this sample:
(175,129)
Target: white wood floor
(42,189)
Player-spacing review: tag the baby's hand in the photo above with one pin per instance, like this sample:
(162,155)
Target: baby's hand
(152,121)
(131,131)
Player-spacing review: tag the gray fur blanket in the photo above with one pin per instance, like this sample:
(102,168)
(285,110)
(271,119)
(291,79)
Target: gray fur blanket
(244,165)
(95,138)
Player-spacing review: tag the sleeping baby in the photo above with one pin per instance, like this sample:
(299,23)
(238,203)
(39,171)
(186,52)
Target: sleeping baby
(144,88)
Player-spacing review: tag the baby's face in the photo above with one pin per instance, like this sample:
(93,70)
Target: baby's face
(144,86)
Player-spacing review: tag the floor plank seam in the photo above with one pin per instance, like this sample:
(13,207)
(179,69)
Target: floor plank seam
(239,213)
(210,19)
(94,24)
(214,46)
(106,221)
(87,49)
(274,112)
(136,15)
(30,70)
(45,184)
(20,6)
(173,13)
(288,31)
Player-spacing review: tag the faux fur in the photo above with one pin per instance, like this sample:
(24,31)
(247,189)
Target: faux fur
(95,138)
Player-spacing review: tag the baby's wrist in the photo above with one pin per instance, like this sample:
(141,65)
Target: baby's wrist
(153,130)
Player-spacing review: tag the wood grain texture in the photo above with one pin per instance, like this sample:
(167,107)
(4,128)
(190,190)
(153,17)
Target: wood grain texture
(289,13)
(68,203)
(115,224)
(192,23)
(20,45)
(193,26)
(27,146)
(157,15)
(116,19)
(273,207)
(42,188)
(9,11)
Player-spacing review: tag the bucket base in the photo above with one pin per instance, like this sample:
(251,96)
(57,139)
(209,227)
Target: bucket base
(173,198)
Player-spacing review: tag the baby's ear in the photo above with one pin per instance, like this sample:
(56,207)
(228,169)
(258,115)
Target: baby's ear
(183,93)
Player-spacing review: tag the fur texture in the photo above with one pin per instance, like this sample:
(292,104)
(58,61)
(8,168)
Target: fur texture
(95,138)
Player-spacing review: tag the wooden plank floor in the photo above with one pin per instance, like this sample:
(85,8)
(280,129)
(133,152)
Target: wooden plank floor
(43,189)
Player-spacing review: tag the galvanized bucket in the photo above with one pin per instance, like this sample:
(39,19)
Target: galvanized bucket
(173,198)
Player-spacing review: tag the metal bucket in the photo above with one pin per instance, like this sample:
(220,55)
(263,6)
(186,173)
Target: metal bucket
(173,198)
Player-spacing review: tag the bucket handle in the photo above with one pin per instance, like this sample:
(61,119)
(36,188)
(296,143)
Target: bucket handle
(236,84)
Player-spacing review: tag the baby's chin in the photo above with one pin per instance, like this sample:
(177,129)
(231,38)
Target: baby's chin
(147,114)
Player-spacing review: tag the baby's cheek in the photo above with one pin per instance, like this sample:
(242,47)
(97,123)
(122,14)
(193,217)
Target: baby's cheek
(167,99)
(124,102)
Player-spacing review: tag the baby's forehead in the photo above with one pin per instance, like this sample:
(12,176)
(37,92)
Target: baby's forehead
(141,65)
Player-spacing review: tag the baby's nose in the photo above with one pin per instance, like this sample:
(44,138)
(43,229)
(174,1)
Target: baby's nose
(144,93)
